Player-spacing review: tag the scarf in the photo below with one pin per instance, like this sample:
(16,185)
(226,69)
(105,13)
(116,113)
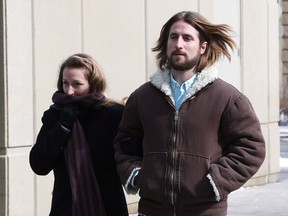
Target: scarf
(86,196)
(60,99)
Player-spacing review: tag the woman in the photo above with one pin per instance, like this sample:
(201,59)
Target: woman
(76,142)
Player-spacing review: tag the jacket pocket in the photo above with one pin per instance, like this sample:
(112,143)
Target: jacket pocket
(152,179)
(194,186)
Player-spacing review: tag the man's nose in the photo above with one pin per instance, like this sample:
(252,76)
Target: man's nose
(179,43)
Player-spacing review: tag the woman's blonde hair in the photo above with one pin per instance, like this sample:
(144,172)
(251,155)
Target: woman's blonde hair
(94,75)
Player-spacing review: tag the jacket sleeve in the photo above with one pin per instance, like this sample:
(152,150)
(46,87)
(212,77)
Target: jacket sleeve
(128,144)
(244,148)
(50,142)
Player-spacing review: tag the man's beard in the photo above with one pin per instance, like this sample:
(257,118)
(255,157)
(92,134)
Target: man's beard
(183,66)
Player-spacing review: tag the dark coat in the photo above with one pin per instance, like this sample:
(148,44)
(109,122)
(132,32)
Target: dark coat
(193,158)
(100,126)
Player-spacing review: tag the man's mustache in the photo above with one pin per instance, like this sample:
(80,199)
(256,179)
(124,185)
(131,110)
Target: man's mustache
(178,52)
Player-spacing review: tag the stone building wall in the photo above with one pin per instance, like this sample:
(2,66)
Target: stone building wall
(284,54)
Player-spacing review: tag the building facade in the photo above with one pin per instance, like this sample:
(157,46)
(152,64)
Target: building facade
(36,36)
(284,62)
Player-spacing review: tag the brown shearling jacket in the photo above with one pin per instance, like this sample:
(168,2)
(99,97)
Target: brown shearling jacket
(188,160)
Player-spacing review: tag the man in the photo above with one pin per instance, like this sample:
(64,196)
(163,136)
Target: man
(187,138)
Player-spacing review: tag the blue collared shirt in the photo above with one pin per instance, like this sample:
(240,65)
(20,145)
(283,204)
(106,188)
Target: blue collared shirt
(180,92)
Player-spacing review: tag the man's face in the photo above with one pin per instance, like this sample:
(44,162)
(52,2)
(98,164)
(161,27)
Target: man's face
(183,46)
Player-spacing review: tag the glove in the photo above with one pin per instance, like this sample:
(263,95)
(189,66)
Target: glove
(69,115)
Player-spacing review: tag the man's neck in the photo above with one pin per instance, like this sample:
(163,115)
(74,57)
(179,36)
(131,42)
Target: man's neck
(182,76)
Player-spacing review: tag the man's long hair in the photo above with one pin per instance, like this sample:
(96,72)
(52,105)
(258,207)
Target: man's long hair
(217,38)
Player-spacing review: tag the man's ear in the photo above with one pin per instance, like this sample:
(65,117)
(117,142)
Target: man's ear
(203,47)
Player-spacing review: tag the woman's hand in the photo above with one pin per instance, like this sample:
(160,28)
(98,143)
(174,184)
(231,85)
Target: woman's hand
(69,115)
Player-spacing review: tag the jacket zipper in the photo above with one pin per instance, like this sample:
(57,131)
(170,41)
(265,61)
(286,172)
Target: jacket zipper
(174,157)
(174,154)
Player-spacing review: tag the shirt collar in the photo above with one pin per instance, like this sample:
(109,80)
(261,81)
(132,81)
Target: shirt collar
(186,85)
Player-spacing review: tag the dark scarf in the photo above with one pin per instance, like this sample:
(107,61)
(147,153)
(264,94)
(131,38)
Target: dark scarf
(86,196)
(60,99)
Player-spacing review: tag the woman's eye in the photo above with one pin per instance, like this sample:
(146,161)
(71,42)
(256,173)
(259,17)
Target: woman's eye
(77,84)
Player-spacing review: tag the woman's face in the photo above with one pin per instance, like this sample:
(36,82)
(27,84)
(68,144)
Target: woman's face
(75,82)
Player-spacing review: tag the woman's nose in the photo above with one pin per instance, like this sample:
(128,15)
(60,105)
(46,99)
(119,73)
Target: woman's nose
(70,90)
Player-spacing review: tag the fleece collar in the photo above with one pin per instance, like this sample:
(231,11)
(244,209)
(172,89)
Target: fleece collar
(161,80)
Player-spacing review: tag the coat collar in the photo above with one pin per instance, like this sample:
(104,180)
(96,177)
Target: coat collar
(161,80)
